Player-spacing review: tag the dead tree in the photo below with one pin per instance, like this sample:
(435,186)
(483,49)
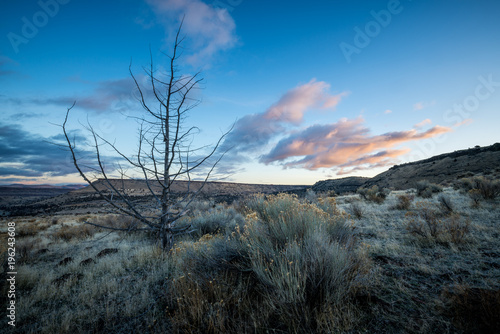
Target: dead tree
(164,154)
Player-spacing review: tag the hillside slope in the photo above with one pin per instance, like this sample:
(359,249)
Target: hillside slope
(441,169)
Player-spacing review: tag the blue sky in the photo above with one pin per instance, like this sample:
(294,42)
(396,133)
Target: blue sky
(315,90)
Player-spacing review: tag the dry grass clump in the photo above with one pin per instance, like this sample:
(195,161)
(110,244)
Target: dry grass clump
(293,267)
(25,248)
(373,194)
(476,197)
(481,187)
(69,232)
(403,202)
(356,210)
(114,221)
(430,225)
(426,189)
(31,228)
(446,204)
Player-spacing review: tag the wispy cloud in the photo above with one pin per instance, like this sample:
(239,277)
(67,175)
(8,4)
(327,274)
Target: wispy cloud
(107,96)
(422,124)
(346,145)
(422,105)
(466,121)
(209,29)
(5,62)
(388,111)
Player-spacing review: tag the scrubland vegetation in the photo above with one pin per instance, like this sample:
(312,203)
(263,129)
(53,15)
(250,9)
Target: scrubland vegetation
(425,260)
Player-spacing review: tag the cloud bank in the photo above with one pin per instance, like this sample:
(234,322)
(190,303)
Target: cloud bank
(346,145)
(118,95)
(24,155)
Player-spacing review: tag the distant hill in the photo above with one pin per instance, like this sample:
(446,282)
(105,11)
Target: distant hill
(19,200)
(139,187)
(340,186)
(44,186)
(442,169)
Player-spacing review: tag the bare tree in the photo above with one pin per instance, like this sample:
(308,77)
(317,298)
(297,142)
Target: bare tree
(164,154)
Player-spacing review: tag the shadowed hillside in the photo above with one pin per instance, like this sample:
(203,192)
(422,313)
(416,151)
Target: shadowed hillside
(340,186)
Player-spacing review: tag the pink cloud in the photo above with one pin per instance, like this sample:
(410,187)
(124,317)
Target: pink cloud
(464,122)
(418,106)
(345,144)
(292,105)
(422,105)
(422,124)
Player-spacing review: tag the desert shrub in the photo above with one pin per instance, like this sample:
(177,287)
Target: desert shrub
(30,228)
(115,221)
(311,195)
(84,218)
(80,231)
(428,224)
(286,218)
(373,194)
(403,202)
(356,210)
(423,222)
(475,195)
(201,206)
(457,228)
(25,249)
(481,186)
(329,205)
(293,267)
(426,189)
(446,204)
(217,220)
